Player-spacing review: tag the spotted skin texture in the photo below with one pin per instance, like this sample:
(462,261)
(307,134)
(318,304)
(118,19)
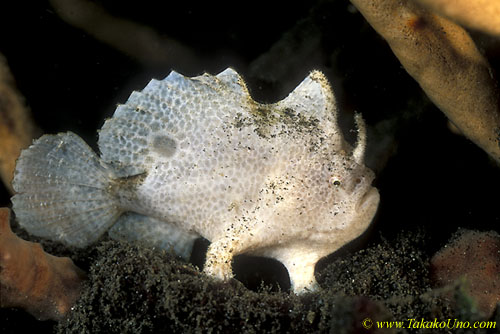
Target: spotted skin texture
(189,157)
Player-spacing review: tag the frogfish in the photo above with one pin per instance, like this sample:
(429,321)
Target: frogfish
(198,156)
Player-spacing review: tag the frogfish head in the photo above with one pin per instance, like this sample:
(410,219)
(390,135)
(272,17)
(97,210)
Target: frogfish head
(354,197)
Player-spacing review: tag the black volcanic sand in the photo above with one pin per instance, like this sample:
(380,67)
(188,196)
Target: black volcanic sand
(135,289)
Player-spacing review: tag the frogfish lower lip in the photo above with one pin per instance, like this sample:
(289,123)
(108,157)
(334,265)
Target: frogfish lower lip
(369,197)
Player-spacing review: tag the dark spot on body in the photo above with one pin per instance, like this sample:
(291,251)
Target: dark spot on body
(164,145)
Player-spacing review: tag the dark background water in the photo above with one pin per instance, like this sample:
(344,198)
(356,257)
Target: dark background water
(427,176)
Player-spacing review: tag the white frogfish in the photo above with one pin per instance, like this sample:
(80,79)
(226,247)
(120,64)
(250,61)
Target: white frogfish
(190,157)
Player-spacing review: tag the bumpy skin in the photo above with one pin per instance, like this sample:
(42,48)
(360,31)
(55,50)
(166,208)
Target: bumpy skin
(198,156)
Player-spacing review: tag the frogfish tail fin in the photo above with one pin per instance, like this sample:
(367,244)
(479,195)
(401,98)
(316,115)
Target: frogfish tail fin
(62,191)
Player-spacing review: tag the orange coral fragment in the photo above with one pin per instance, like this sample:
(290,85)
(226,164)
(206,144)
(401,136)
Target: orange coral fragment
(474,256)
(44,285)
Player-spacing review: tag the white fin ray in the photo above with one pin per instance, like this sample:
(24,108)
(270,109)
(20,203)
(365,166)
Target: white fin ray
(58,174)
(69,211)
(59,201)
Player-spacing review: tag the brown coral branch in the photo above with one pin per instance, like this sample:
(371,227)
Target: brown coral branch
(483,15)
(44,285)
(16,126)
(133,39)
(444,60)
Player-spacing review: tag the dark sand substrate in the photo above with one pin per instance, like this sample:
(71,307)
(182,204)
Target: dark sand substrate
(135,289)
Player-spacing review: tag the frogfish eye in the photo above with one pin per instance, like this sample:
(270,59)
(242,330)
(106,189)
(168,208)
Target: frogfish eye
(335,181)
